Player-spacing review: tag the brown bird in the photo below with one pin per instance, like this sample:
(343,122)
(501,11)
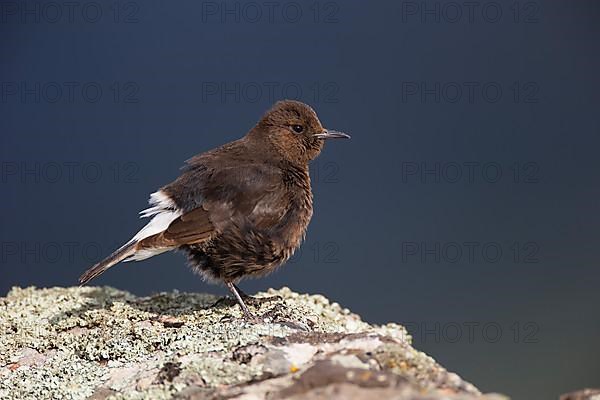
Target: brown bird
(240,210)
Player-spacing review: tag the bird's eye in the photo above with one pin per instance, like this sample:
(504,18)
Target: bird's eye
(298,128)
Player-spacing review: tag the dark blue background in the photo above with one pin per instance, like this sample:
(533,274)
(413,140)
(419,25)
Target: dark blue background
(177,79)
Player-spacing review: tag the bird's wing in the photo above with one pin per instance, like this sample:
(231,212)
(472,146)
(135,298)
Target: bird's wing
(190,228)
(204,201)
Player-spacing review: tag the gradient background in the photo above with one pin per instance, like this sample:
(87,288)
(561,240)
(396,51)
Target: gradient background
(155,82)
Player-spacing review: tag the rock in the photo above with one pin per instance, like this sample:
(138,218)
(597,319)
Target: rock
(585,394)
(101,343)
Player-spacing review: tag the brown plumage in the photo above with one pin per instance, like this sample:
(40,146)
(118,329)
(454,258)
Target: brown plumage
(239,210)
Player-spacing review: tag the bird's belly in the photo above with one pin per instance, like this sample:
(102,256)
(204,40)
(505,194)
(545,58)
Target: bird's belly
(247,247)
(234,255)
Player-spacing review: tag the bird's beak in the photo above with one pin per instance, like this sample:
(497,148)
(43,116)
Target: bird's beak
(330,134)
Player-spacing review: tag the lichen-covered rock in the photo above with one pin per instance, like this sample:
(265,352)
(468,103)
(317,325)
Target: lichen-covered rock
(99,343)
(585,394)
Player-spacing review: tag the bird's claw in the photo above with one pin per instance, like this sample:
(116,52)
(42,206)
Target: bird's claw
(224,302)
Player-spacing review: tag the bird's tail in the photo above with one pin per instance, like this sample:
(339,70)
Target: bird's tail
(119,255)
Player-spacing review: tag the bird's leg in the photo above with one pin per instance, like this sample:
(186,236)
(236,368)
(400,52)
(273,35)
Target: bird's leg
(243,305)
(255,301)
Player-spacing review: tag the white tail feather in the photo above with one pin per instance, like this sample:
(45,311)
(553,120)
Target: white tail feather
(164,212)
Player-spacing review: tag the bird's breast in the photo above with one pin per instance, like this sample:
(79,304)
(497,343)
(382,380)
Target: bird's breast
(292,229)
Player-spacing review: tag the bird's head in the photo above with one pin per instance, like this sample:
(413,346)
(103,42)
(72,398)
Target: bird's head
(295,131)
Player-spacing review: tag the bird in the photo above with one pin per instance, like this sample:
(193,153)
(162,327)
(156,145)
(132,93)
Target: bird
(239,210)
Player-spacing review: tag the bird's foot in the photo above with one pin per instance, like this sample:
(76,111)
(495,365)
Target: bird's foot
(224,302)
(250,318)
(242,299)
(250,300)
(257,301)
(275,314)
